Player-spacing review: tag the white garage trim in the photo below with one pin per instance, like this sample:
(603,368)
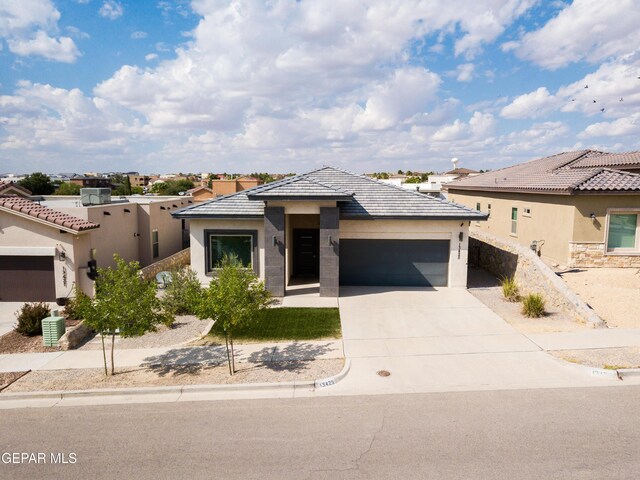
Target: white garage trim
(28,251)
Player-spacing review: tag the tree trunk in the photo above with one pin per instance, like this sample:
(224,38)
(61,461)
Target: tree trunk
(233,355)
(113,340)
(226,341)
(104,355)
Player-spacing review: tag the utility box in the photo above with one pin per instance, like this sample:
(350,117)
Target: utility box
(52,329)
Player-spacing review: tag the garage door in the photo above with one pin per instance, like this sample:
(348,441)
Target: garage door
(394,262)
(27,279)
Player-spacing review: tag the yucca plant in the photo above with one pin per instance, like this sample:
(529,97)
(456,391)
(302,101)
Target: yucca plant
(510,289)
(533,305)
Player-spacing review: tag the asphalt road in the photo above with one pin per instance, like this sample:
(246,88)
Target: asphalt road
(589,433)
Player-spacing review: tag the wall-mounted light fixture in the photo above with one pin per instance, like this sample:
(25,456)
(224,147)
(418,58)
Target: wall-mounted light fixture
(62,256)
(275,241)
(460,236)
(592,216)
(136,235)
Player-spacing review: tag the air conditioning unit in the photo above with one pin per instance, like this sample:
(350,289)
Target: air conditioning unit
(95,196)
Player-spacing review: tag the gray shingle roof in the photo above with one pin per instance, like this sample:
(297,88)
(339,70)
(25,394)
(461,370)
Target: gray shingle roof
(299,187)
(565,173)
(370,199)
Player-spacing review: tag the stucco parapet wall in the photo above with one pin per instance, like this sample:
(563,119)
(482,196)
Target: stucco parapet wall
(182,258)
(593,255)
(534,276)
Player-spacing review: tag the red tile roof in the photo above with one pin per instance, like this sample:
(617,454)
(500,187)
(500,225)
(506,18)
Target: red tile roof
(566,173)
(6,186)
(53,217)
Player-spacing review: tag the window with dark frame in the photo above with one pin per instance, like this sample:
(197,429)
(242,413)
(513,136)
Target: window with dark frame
(239,243)
(155,243)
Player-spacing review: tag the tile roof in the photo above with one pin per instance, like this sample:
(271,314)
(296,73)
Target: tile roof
(566,173)
(299,187)
(6,186)
(54,218)
(371,199)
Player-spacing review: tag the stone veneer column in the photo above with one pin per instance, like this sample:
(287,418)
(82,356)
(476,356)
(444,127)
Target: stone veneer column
(329,251)
(274,266)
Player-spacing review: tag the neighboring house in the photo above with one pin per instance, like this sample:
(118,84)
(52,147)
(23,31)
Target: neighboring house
(140,181)
(227,187)
(46,246)
(92,182)
(336,227)
(200,194)
(10,188)
(579,209)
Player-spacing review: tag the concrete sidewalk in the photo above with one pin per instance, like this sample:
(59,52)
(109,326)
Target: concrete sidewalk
(587,339)
(210,356)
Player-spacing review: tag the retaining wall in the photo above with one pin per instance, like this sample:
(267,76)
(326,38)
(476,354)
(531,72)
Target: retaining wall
(182,258)
(506,259)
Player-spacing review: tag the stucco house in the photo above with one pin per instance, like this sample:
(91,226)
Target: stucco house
(579,209)
(336,227)
(46,246)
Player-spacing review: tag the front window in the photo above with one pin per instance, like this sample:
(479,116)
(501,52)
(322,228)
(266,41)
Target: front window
(240,246)
(623,231)
(514,221)
(155,243)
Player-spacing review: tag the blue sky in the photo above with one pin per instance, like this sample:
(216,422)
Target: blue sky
(207,85)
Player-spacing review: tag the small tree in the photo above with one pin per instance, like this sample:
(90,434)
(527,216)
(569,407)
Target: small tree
(67,188)
(234,297)
(123,301)
(38,183)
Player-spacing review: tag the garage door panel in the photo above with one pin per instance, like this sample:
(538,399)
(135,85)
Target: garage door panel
(27,279)
(394,262)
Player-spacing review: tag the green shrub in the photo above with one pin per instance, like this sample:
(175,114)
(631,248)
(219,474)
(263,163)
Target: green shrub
(30,318)
(533,305)
(182,294)
(510,289)
(72,309)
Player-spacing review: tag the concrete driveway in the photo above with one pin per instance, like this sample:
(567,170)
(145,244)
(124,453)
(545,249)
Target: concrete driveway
(439,339)
(8,317)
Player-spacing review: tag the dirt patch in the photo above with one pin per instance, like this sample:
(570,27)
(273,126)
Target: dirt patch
(615,358)
(86,379)
(7,378)
(611,292)
(13,342)
(486,288)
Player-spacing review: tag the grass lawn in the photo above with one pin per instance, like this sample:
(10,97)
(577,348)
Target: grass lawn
(286,324)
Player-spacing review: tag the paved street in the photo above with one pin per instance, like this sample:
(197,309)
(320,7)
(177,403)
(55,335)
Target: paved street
(527,434)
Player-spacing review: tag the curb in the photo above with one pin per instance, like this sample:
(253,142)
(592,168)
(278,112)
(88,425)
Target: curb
(628,372)
(178,390)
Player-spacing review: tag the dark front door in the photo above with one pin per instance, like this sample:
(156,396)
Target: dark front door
(306,252)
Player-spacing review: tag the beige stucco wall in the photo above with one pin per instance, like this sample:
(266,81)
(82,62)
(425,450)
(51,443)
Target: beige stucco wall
(551,220)
(151,216)
(22,236)
(197,228)
(585,229)
(418,230)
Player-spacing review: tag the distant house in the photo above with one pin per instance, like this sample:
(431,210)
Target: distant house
(578,209)
(227,187)
(46,246)
(336,228)
(91,182)
(140,181)
(200,194)
(11,188)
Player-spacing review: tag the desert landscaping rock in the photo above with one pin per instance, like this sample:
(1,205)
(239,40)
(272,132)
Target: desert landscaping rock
(621,357)
(87,379)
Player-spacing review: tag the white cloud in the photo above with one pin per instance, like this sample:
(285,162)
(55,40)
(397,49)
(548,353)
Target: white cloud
(465,72)
(138,35)
(480,126)
(151,56)
(30,27)
(618,128)
(111,9)
(531,105)
(591,30)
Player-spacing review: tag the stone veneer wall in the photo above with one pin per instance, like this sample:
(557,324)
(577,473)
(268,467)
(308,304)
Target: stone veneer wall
(507,259)
(593,255)
(183,257)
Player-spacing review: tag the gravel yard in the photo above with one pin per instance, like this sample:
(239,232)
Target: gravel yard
(486,288)
(612,292)
(621,357)
(184,329)
(81,379)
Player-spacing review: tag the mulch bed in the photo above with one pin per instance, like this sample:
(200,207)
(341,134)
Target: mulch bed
(13,342)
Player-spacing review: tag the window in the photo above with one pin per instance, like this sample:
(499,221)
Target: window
(489,209)
(241,243)
(478,206)
(514,221)
(154,242)
(526,212)
(623,232)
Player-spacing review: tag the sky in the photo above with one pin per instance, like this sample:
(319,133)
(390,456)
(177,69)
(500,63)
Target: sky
(288,86)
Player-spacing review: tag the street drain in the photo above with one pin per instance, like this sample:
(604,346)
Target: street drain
(383,373)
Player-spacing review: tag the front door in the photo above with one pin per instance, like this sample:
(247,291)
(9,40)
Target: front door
(306,252)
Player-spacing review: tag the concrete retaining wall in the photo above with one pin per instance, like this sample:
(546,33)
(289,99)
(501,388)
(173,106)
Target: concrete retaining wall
(506,259)
(179,259)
